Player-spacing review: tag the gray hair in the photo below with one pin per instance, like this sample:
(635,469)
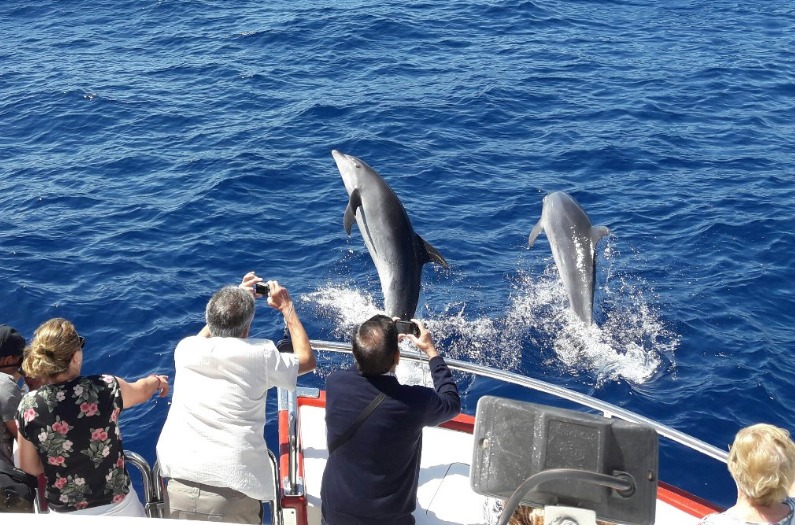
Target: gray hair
(229,312)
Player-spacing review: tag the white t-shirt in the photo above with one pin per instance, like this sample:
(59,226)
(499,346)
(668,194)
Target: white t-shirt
(214,431)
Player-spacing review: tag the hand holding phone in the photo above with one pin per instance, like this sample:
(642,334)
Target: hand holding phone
(262,288)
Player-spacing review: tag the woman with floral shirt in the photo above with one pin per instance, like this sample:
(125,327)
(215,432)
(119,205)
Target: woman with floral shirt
(68,427)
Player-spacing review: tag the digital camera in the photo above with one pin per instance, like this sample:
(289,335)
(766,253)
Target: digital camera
(407,327)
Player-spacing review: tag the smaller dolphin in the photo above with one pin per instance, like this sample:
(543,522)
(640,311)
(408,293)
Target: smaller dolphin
(397,251)
(573,241)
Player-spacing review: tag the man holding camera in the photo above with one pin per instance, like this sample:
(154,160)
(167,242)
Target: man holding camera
(374,428)
(213,444)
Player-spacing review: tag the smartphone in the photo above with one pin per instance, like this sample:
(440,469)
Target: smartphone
(407,327)
(262,288)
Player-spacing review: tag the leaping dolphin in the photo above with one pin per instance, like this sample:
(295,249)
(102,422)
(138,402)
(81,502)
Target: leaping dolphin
(573,242)
(397,251)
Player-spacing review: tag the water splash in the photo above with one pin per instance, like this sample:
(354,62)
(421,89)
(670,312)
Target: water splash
(479,340)
(629,341)
(345,305)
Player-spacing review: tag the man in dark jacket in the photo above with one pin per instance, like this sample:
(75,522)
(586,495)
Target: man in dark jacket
(371,474)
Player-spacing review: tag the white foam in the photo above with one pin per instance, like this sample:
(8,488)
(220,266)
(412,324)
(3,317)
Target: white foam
(628,343)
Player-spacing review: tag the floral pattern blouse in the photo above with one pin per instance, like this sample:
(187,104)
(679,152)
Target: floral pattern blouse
(74,427)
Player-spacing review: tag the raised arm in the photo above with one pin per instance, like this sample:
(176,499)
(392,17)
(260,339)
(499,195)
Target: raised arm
(448,401)
(139,391)
(280,299)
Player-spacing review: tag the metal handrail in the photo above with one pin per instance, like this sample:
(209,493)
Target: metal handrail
(158,493)
(135,459)
(287,401)
(607,409)
(276,505)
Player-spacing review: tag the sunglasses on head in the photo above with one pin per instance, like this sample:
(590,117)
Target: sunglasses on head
(82,340)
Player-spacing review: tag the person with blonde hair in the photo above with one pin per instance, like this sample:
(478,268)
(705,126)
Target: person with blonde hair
(68,427)
(762,463)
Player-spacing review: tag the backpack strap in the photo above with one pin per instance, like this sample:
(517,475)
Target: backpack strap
(356,423)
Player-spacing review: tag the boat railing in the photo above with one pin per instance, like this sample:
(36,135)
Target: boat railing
(291,483)
(607,409)
(153,500)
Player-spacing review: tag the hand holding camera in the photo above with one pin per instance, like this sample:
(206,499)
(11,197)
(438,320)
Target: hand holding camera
(416,332)
(407,327)
(262,288)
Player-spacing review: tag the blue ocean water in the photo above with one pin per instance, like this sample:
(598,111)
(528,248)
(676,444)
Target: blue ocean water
(153,151)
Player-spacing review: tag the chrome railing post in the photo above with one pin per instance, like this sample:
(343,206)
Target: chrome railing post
(288,402)
(276,505)
(158,506)
(141,464)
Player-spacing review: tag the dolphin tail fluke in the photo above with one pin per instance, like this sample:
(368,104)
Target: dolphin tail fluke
(431,253)
(534,233)
(350,212)
(597,232)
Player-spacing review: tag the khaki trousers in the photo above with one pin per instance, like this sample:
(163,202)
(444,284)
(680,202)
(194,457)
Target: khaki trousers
(187,500)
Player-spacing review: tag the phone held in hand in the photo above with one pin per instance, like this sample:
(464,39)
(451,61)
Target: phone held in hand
(262,289)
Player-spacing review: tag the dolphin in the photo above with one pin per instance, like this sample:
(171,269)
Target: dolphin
(573,241)
(397,251)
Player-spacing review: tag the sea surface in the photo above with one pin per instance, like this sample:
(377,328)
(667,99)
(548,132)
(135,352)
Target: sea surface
(153,151)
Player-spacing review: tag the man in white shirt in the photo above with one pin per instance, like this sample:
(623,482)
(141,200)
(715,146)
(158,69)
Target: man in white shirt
(212,446)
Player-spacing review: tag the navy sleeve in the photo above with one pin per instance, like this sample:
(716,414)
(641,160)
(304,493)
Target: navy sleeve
(447,404)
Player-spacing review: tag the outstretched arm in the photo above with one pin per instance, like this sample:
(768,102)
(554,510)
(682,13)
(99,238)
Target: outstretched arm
(139,391)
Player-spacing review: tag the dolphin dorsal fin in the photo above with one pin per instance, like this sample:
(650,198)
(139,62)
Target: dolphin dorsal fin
(534,233)
(597,232)
(431,254)
(350,211)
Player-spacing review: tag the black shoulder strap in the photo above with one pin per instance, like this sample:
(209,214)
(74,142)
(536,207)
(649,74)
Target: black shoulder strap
(356,423)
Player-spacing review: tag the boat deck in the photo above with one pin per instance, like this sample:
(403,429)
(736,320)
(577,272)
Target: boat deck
(444,495)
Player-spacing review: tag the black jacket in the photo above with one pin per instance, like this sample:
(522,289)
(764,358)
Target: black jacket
(372,478)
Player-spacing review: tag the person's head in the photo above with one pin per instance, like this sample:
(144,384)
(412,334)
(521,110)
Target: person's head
(762,463)
(12,344)
(229,312)
(375,345)
(56,348)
